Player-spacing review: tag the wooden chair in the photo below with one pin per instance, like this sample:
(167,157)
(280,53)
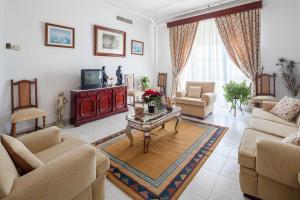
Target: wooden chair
(131,92)
(162,82)
(25,109)
(265,88)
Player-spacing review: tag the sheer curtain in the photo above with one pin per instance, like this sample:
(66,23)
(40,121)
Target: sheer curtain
(209,61)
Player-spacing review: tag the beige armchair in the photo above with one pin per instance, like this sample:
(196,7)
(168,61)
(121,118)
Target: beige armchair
(72,169)
(198,107)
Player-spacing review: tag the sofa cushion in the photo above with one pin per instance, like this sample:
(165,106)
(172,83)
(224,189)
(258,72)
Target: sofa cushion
(68,143)
(270,127)
(287,108)
(259,113)
(190,101)
(24,159)
(247,150)
(194,92)
(260,99)
(8,172)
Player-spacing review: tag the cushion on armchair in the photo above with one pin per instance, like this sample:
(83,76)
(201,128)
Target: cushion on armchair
(194,92)
(25,160)
(287,108)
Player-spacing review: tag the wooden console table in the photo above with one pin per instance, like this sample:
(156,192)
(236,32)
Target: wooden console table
(90,105)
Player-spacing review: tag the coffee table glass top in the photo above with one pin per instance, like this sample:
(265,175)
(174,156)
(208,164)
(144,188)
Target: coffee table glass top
(152,117)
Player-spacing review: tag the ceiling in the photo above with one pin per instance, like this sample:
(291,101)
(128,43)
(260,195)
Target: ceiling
(160,10)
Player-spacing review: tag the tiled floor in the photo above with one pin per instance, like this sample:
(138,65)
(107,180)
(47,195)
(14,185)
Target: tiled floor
(216,180)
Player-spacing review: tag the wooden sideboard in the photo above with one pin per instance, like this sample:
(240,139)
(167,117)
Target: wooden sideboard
(90,105)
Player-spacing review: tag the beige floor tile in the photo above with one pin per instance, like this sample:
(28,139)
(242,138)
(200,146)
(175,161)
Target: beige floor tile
(231,169)
(226,189)
(215,163)
(201,185)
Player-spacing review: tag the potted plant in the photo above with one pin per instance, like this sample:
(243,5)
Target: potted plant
(145,82)
(234,91)
(288,75)
(151,97)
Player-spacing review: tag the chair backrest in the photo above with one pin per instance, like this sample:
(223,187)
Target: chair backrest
(129,81)
(162,81)
(24,94)
(207,87)
(265,84)
(8,172)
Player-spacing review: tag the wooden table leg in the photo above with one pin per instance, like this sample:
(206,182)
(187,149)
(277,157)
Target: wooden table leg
(44,122)
(36,124)
(13,129)
(129,135)
(147,139)
(178,122)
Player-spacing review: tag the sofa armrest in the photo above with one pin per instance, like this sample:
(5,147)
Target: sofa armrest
(209,98)
(278,161)
(41,140)
(268,105)
(180,94)
(61,178)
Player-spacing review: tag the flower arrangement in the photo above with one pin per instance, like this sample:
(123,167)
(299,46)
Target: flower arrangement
(151,96)
(288,74)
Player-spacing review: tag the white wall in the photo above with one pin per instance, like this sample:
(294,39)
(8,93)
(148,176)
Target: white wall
(58,69)
(280,37)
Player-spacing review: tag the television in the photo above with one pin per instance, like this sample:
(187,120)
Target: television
(91,78)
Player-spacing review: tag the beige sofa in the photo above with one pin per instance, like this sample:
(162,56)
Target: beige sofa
(268,167)
(197,107)
(72,169)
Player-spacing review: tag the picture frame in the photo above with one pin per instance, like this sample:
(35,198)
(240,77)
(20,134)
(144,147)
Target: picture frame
(109,42)
(137,47)
(59,36)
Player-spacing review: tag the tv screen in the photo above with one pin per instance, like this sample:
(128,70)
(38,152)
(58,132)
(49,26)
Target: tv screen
(91,78)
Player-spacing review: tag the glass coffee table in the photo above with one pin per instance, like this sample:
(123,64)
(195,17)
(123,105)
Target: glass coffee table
(150,122)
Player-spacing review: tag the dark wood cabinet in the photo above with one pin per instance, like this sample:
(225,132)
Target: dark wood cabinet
(89,105)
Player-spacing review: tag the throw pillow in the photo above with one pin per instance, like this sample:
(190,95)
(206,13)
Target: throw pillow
(293,139)
(24,160)
(287,108)
(194,92)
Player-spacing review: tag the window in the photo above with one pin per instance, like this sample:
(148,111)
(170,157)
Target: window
(209,61)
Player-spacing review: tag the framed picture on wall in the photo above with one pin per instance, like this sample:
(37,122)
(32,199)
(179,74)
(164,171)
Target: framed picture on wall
(109,42)
(137,47)
(59,36)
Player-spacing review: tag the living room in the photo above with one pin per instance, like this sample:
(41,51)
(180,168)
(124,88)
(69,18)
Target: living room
(135,159)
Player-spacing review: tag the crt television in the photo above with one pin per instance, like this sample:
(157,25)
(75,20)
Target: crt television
(91,78)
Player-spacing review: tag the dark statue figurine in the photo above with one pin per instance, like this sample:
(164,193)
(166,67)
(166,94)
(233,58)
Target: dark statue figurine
(104,77)
(119,76)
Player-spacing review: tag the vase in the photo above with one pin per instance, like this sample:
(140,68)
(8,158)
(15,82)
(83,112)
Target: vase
(151,107)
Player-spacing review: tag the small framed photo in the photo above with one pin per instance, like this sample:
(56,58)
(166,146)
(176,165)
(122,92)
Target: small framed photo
(137,47)
(59,36)
(109,42)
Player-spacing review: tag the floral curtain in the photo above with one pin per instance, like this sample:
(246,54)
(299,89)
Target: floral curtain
(181,42)
(240,34)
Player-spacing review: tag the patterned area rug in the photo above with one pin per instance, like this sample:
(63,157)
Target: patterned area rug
(169,166)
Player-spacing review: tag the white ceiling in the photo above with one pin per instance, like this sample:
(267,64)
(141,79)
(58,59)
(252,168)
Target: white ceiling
(160,10)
